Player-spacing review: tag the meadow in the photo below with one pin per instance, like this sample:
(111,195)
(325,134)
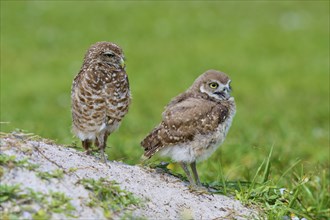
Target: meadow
(276,53)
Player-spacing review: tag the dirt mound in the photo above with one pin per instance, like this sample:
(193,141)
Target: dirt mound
(57,174)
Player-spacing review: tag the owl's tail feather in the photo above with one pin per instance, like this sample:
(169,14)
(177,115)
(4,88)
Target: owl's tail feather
(151,143)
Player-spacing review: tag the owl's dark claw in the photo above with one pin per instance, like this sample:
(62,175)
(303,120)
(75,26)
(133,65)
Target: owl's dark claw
(198,189)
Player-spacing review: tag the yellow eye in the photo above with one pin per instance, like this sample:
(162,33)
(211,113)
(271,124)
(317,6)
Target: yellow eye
(213,85)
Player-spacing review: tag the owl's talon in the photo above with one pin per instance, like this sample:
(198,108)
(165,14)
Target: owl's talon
(87,152)
(198,189)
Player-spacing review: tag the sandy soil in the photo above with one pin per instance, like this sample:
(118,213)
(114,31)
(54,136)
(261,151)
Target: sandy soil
(163,196)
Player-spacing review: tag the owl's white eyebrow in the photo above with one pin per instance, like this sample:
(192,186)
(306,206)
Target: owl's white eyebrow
(109,52)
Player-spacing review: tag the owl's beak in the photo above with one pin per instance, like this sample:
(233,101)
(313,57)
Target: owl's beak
(225,94)
(122,63)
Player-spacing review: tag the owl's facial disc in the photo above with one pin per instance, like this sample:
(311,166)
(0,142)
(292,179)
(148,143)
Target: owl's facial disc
(216,89)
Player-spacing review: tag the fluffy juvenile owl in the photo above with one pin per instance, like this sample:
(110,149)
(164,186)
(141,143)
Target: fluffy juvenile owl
(194,123)
(100,95)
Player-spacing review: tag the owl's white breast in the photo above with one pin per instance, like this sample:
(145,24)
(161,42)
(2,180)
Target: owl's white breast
(96,130)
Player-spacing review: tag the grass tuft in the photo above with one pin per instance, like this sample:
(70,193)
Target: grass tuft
(305,196)
(108,195)
(32,203)
(58,174)
(11,162)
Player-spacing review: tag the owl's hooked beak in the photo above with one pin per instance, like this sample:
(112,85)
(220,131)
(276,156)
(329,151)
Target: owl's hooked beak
(224,93)
(122,63)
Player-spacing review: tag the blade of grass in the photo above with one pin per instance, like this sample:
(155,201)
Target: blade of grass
(267,167)
(256,175)
(222,179)
(287,171)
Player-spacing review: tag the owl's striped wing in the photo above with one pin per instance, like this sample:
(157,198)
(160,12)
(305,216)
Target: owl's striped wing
(182,121)
(117,96)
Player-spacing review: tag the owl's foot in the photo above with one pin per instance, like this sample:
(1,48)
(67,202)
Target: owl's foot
(195,184)
(88,152)
(198,189)
(86,145)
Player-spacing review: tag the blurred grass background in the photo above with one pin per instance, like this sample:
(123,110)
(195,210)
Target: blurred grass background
(277,54)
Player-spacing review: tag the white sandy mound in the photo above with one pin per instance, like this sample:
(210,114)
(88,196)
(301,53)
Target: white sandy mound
(162,196)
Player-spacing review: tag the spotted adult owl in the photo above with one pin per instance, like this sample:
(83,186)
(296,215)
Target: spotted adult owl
(100,95)
(194,123)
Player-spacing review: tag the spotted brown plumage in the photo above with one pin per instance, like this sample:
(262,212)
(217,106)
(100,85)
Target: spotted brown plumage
(194,123)
(100,95)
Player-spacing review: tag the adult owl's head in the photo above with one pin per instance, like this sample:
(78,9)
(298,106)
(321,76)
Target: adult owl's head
(213,83)
(107,53)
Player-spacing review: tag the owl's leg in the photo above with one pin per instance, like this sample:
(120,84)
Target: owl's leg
(101,144)
(186,170)
(103,156)
(198,187)
(194,171)
(86,144)
(96,142)
(105,138)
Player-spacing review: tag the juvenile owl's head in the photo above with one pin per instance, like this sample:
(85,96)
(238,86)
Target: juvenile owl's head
(107,53)
(213,83)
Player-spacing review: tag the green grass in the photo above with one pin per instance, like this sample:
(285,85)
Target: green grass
(277,54)
(20,199)
(108,195)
